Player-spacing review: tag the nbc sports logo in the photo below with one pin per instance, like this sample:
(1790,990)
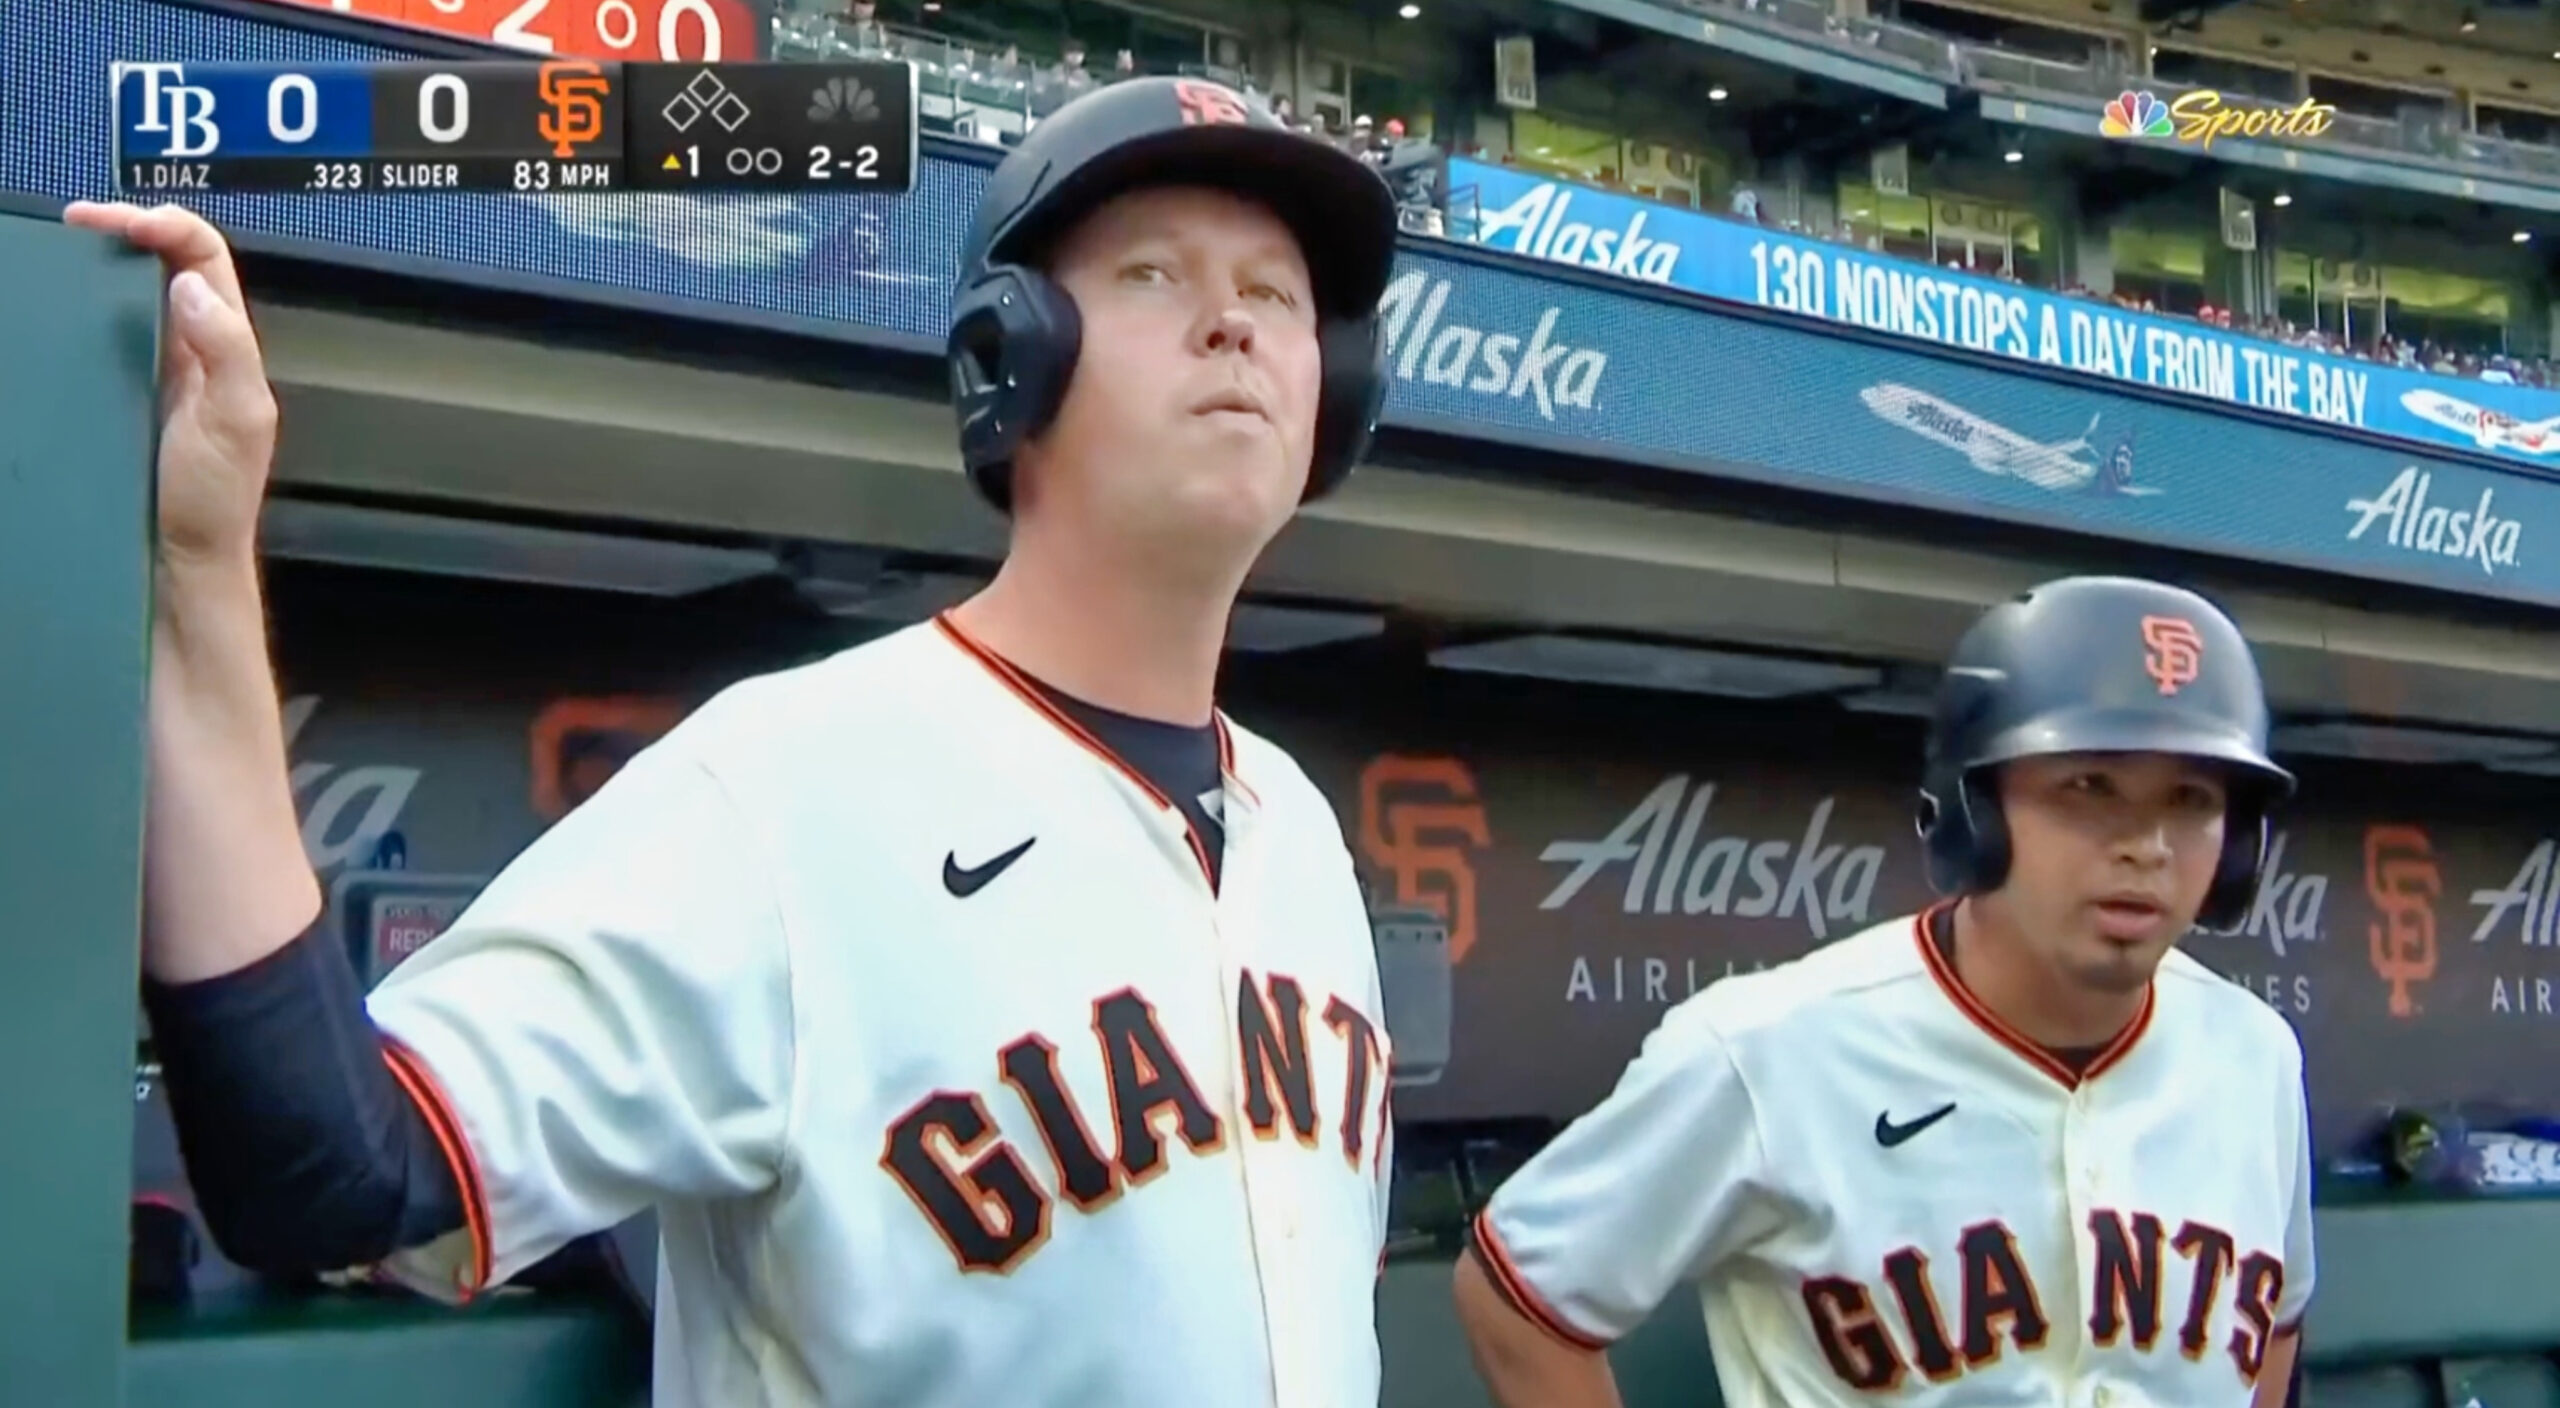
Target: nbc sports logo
(2135,113)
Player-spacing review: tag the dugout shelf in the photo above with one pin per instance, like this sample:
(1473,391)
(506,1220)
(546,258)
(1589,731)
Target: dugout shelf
(386,1352)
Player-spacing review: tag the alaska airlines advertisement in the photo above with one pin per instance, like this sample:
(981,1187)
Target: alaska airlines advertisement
(1486,350)
(1722,258)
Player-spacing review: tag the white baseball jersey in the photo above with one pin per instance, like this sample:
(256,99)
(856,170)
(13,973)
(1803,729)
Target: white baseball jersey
(925,1125)
(1883,1192)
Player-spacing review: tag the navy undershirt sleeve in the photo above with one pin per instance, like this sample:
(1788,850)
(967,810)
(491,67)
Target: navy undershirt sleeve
(304,1152)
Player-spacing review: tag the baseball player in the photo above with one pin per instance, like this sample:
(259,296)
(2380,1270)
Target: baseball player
(2017,1149)
(987,1018)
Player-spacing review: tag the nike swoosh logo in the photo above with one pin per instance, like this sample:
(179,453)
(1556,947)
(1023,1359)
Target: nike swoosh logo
(1890,1134)
(963,882)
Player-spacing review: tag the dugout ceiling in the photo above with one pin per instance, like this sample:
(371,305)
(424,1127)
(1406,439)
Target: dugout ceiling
(375,407)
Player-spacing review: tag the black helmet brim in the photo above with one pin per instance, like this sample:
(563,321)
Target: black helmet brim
(1337,206)
(2120,729)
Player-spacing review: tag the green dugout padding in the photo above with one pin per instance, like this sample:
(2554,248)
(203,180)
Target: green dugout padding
(2444,1305)
(386,1353)
(79,341)
(79,330)
(2421,1305)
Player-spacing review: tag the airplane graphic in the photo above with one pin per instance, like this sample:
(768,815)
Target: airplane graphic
(2491,430)
(1996,449)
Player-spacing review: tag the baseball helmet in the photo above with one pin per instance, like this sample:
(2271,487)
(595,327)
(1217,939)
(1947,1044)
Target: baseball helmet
(1015,334)
(2098,665)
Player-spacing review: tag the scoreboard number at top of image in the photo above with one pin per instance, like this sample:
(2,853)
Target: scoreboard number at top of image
(528,127)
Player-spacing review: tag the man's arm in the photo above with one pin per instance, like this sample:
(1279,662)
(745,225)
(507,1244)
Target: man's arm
(2301,1261)
(225,878)
(610,1023)
(2275,1375)
(304,1152)
(1666,1178)
(1524,1363)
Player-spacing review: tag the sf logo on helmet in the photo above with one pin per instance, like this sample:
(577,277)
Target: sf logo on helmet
(1209,104)
(2172,652)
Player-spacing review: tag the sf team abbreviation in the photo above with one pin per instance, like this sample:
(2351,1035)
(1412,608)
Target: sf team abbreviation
(533,127)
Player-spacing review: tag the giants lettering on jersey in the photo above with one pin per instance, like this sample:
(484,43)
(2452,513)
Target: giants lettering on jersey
(2131,1296)
(981,1196)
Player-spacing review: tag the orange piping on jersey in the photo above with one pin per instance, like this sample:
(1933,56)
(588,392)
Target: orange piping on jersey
(1012,678)
(430,1099)
(2026,1047)
(1506,1276)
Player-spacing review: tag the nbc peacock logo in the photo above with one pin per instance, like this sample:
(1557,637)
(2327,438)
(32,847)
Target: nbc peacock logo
(2135,113)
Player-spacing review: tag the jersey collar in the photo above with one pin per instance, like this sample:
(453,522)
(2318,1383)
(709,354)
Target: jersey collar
(1011,676)
(2019,1043)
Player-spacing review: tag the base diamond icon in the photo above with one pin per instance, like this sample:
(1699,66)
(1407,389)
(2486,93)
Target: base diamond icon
(706,94)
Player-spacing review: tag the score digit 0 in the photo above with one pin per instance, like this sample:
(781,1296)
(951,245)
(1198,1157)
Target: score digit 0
(443,124)
(459,99)
(299,126)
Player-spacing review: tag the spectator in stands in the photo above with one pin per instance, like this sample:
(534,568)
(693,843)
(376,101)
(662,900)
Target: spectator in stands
(856,24)
(1382,150)
(1060,83)
(862,28)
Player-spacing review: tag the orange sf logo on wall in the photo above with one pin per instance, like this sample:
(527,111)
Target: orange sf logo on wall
(578,744)
(2172,652)
(2403,880)
(1420,822)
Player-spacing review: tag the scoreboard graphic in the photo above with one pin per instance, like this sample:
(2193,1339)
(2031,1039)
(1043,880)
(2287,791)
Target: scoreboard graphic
(560,125)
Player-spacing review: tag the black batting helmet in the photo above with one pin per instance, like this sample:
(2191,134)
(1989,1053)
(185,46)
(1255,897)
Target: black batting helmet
(1015,334)
(2097,665)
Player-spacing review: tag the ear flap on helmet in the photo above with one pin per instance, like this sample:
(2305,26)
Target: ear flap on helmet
(2246,836)
(1989,826)
(1348,404)
(1011,352)
(1963,837)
